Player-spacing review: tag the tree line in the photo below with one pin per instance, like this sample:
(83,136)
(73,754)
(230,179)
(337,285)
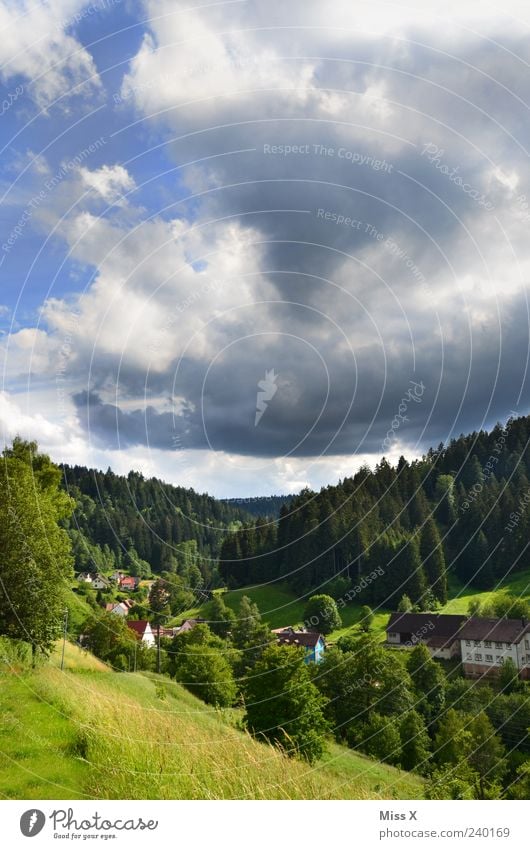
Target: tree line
(143,525)
(461,507)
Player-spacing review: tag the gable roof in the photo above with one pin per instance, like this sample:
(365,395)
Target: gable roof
(308,639)
(97,577)
(189,624)
(140,626)
(498,630)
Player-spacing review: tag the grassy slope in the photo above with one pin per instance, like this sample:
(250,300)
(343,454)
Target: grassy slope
(78,610)
(91,732)
(518,584)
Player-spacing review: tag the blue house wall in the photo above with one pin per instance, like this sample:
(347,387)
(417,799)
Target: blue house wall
(315,654)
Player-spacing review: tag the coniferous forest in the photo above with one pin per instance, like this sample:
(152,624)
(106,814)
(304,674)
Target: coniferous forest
(460,508)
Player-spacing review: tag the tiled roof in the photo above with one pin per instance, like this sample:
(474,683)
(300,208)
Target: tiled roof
(498,630)
(431,625)
(440,629)
(309,639)
(139,626)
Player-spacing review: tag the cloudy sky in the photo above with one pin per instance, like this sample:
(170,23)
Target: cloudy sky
(249,245)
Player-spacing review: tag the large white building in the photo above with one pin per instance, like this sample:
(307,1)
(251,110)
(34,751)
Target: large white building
(483,645)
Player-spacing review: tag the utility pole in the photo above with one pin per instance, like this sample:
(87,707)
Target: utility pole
(65,631)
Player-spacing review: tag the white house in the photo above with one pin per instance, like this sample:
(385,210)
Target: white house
(120,608)
(99,582)
(482,645)
(143,630)
(84,577)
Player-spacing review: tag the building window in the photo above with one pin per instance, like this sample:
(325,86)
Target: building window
(476,642)
(527,644)
(498,645)
(478,656)
(507,646)
(468,656)
(489,658)
(499,659)
(487,644)
(468,642)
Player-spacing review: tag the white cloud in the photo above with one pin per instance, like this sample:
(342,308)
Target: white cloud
(109,182)
(35,46)
(148,303)
(184,59)
(27,352)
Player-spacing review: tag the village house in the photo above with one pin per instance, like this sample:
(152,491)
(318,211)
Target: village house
(188,625)
(166,631)
(127,582)
(84,577)
(117,576)
(482,645)
(143,631)
(311,641)
(99,582)
(438,632)
(120,608)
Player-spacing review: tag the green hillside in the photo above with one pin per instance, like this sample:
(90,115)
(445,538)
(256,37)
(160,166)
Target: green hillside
(88,732)
(279,605)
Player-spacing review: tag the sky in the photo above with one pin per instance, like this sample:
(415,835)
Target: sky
(248,246)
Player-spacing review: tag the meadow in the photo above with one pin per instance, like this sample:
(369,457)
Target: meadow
(89,732)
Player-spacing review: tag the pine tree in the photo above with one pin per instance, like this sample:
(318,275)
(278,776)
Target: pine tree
(433,560)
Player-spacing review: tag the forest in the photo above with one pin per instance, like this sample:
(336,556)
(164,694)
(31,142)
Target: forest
(461,508)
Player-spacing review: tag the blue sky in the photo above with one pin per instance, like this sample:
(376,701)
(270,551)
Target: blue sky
(204,202)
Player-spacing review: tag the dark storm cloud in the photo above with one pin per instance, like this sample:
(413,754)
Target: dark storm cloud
(393,203)
(366,410)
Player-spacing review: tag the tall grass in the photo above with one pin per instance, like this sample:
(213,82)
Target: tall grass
(144,739)
(90,732)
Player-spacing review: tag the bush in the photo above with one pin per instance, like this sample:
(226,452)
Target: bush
(206,673)
(321,614)
(379,737)
(15,653)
